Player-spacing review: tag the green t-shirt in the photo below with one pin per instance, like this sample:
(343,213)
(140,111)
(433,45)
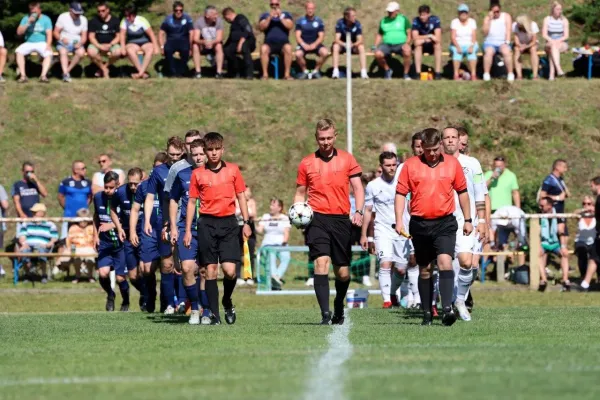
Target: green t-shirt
(393,30)
(501,189)
(36,33)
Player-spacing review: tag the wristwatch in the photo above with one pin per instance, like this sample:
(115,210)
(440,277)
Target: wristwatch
(247,222)
(360,212)
(469,220)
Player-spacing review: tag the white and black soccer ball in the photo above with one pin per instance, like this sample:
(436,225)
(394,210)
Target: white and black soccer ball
(300,215)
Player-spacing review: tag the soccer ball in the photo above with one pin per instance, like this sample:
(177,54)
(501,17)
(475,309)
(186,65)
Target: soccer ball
(300,215)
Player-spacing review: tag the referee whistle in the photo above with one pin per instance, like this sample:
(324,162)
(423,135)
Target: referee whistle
(402,233)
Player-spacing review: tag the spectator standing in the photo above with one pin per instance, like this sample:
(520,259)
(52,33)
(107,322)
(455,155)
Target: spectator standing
(208,41)
(3,214)
(276,229)
(104,36)
(27,191)
(525,35)
(176,35)
(551,244)
(587,256)
(74,193)
(502,185)
(241,41)
(3,55)
(463,42)
(555,31)
(36,28)
(137,35)
(310,33)
(105,163)
(350,24)
(554,186)
(276,24)
(394,36)
(497,28)
(37,237)
(70,33)
(427,38)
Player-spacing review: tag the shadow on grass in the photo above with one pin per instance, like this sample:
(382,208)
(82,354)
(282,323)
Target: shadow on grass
(168,319)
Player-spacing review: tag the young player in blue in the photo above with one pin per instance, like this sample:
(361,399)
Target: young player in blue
(147,244)
(120,212)
(111,254)
(188,255)
(156,184)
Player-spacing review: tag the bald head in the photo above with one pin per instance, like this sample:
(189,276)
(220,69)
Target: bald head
(389,146)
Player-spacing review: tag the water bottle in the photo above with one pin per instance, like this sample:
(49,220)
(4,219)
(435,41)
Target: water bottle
(73,249)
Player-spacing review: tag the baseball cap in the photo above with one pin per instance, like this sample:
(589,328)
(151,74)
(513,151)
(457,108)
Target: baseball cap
(463,8)
(76,7)
(38,207)
(392,6)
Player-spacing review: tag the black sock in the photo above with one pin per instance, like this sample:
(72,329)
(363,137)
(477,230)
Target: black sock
(105,283)
(322,291)
(426,293)
(228,286)
(138,284)
(446,287)
(212,291)
(341,289)
(124,289)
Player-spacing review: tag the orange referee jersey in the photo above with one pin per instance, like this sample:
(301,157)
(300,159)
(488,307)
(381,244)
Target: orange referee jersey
(432,188)
(217,189)
(328,181)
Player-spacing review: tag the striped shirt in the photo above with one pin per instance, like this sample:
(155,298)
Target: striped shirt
(556,27)
(38,234)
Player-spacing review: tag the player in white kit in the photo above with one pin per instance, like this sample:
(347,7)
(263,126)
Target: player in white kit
(466,245)
(391,249)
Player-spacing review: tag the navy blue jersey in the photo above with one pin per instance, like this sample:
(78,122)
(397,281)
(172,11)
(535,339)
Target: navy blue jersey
(355,29)
(156,184)
(102,206)
(28,195)
(122,201)
(555,186)
(276,32)
(178,29)
(310,28)
(426,28)
(180,191)
(140,198)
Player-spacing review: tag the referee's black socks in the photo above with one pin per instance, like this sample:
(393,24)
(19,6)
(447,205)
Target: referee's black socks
(212,291)
(341,289)
(426,292)
(446,287)
(322,291)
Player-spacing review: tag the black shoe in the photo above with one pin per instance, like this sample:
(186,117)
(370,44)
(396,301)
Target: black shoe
(218,76)
(448,316)
(110,303)
(437,76)
(427,318)
(566,287)
(543,286)
(150,304)
(142,303)
(338,318)
(214,320)
(124,308)
(469,302)
(326,318)
(230,315)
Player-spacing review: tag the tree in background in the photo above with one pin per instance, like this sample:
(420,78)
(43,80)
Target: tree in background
(587,15)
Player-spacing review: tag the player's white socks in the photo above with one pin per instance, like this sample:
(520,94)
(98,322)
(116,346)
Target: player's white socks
(385,283)
(456,268)
(465,277)
(413,283)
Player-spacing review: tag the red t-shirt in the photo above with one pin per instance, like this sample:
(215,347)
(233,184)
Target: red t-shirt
(432,188)
(217,189)
(328,181)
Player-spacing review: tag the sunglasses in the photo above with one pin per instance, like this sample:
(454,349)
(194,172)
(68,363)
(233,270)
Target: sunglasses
(29,172)
(102,161)
(587,204)
(274,4)
(499,159)
(178,10)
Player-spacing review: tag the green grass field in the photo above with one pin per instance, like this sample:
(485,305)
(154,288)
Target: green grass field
(57,344)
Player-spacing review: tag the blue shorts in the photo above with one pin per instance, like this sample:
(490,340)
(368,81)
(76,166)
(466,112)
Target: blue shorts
(184,253)
(465,53)
(113,257)
(149,248)
(496,47)
(132,256)
(70,47)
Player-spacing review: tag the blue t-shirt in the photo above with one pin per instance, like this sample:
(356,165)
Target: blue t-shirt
(555,186)
(29,195)
(310,28)
(178,29)
(156,184)
(426,28)
(102,206)
(140,198)
(276,33)
(181,191)
(122,202)
(342,28)
(76,195)
(36,33)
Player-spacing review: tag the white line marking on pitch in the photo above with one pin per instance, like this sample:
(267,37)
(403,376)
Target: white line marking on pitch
(326,381)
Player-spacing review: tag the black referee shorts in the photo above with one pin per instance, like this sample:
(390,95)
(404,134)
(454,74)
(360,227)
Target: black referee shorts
(432,237)
(218,240)
(330,235)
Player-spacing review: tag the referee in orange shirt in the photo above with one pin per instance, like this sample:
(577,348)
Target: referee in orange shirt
(431,179)
(327,175)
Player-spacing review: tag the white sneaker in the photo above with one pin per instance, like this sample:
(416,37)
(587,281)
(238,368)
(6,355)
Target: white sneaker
(310,282)
(55,271)
(367,281)
(240,282)
(250,282)
(335,74)
(195,317)
(510,77)
(2,271)
(462,310)
(169,310)
(487,77)
(364,75)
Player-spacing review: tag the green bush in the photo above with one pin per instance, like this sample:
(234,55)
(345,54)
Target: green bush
(587,14)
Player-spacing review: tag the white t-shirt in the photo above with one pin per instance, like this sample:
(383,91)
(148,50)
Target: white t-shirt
(475,187)
(274,229)
(512,217)
(497,34)
(1,40)
(71,30)
(380,195)
(523,36)
(464,33)
(98,178)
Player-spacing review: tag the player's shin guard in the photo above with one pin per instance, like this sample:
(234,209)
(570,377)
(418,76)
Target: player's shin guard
(385,283)
(192,295)
(228,286)
(413,283)
(341,289)
(464,280)
(446,287)
(426,292)
(167,287)
(124,289)
(322,291)
(212,292)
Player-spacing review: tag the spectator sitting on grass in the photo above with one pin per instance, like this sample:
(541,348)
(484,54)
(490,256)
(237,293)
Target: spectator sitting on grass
(276,25)
(104,36)
(37,237)
(37,31)
(585,248)
(497,28)
(176,36)
(427,38)
(105,163)
(208,41)
(70,33)
(276,227)
(525,33)
(74,193)
(137,35)
(463,42)
(310,33)
(80,242)
(3,55)
(551,244)
(555,31)
(241,41)
(349,24)
(394,36)
(27,191)
(502,185)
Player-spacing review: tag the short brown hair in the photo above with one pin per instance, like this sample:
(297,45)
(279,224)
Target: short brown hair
(278,200)
(596,180)
(228,10)
(176,142)
(430,137)
(193,133)
(462,131)
(213,139)
(197,143)
(161,157)
(325,124)
(135,171)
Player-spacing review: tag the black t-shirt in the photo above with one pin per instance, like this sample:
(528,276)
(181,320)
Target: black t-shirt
(240,28)
(105,31)
(597,213)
